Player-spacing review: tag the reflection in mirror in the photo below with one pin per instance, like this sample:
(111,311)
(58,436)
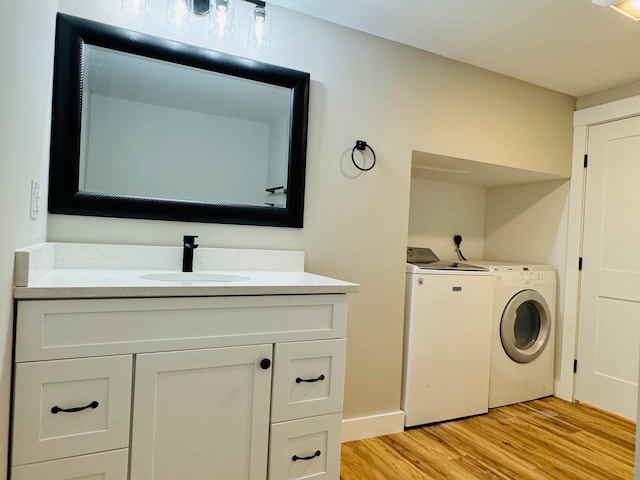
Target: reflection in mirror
(171,131)
(182,133)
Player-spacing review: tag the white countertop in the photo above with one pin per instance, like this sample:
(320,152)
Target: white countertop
(84,283)
(50,271)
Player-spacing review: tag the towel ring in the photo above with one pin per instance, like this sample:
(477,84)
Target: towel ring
(362,145)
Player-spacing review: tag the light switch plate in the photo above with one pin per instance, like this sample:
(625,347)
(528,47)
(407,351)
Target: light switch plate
(35,199)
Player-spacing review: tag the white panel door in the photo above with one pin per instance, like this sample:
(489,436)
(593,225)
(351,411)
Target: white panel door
(201,414)
(609,323)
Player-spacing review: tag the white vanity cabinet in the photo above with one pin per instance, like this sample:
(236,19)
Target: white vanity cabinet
(244,387)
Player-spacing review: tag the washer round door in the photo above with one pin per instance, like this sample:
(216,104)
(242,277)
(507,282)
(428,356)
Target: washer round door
(525,326)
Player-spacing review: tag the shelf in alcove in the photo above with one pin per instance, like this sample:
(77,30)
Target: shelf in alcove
(459,170)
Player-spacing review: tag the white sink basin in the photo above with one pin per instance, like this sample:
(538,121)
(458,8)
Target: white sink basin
(193,277)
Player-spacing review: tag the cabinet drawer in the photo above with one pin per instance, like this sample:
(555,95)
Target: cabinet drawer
(308,379)
(99,466)
(307,448)
(41,431)
(52,329)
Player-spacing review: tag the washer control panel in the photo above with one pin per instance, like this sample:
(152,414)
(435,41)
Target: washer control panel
(528,277)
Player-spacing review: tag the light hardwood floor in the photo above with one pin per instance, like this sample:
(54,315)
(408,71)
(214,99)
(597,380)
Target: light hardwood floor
(538,440)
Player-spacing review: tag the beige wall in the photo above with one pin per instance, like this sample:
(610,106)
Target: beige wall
(612,94)
(478,115)
(396,98)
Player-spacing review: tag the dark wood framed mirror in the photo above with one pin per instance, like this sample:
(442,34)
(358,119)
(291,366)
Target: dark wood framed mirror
(145,127)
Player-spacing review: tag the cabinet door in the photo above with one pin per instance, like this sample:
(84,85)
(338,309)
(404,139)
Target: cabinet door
(201,414)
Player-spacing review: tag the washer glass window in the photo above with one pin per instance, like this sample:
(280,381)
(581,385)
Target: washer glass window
(525,326)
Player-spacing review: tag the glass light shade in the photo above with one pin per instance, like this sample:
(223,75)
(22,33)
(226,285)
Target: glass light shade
(259,28)
(179,14)
(221,19)
(628,8)
(136,8)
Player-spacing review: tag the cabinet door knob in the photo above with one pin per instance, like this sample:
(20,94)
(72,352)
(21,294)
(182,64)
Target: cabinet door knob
(265,364)
(295,458)
(56,409)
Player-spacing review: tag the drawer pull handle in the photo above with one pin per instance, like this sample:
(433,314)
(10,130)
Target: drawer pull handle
(57,409)
(295,458)
(310,380)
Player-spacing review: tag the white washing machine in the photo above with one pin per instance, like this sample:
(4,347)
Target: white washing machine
(523,333)
(446,339)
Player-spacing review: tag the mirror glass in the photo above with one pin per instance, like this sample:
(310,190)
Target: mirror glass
(150,128)
(162,130)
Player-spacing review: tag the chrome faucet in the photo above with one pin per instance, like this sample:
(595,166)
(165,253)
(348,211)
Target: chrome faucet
(188,246)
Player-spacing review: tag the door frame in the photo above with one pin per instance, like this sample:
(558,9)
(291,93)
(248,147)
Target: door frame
(582,120)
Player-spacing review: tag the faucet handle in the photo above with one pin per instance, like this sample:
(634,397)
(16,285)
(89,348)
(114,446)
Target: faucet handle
(190,240)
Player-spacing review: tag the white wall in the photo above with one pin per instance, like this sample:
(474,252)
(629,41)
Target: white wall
(27,36)
(397,99)
(440,210)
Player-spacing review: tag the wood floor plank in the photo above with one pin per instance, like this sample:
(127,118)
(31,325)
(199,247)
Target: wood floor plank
(555,453)
(432,467)
(494,445)
(379,462)
(546,439)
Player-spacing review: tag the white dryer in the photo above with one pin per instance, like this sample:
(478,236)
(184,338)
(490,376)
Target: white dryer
(523,334)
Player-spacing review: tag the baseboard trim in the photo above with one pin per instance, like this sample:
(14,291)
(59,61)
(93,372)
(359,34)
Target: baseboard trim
(372,426)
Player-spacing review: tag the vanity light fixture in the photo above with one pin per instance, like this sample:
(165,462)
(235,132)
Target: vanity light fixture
(259,26)
(136,8)
(221,19)
(221,14)
(179,14)
(628,8)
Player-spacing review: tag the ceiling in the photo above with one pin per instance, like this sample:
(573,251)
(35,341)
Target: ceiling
(570,46)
